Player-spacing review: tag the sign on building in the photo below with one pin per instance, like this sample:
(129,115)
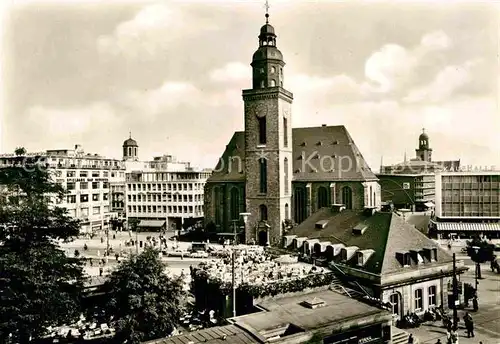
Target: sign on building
(406,186)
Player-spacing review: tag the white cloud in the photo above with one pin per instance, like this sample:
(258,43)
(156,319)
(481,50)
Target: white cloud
(393,67)
(446,82)
(150,103)
(72,121)
(437,40)
(150,32)
(233,71)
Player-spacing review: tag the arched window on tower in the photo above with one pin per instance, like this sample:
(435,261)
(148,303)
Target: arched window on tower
(262,130)
(263,212)
(273,83)
(347,197)
(235,203)
(285,168)
(322,197)
(285,132)
(263,175)
(129,151)
(273,70)
(135,151)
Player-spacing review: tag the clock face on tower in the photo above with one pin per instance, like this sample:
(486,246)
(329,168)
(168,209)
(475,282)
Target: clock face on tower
(261,110)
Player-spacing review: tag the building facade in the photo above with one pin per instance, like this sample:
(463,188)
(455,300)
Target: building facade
(279,174)
(87,179)
(467,204)
(382,254)
(410,191)
(161,191)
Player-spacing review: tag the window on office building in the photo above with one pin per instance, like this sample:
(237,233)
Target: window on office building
(71,199)
(84,198)
(95,197)
(95,174)
(95,185)
(70,186)
(70,174)
(96,210)
(105,197)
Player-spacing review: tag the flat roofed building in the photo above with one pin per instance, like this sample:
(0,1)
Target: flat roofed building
(467,204)
(410,191)
(87,179)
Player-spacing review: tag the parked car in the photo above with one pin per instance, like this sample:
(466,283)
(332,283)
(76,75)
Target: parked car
(178,253)
(199,254)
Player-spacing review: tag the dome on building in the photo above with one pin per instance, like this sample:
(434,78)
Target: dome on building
(423,136)
(267,53)
(267,29)
(130,142)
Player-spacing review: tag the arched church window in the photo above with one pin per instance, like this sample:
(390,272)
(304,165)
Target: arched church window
(347,197)
(235,203)
(273,83)
(300,209)
(285,168)
(262,130)
(263,212)
(273,70)
(322,197)
(263,175)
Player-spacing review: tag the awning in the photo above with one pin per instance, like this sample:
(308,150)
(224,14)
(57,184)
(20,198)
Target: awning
(468,226)
(152,223)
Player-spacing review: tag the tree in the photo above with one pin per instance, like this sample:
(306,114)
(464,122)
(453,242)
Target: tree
(144,302)
(19,151)
(485,250)
(39,285)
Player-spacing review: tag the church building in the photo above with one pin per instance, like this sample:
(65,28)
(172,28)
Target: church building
(278,174)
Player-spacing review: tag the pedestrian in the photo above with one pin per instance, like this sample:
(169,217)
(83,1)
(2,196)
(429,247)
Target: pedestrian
(90,261)
(439,341)
(410,339)
(100,271)
(475,304)
(454,336)
(469,325)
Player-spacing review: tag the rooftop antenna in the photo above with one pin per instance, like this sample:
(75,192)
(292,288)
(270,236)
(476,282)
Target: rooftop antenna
(381,163)
(266,6)
(405,157)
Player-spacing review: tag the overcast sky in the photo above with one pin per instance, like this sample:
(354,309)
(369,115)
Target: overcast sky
(172,74)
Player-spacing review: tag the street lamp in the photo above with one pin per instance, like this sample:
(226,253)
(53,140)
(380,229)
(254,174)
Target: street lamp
(477,273)
(233,259)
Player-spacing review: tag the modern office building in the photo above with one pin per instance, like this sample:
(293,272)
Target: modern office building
(167,191)
(467,204)
(410,191)
(86,177)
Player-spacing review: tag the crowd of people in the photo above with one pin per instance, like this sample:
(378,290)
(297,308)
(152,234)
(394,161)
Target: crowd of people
(254,266)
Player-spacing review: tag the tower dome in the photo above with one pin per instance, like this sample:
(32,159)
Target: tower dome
(130,142)
(267,61)
(423,136)
(130,149)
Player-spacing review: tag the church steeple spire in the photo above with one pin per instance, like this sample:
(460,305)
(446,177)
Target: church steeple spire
(267,61)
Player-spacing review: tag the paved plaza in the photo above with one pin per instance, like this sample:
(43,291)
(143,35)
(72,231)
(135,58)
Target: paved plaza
(486,319)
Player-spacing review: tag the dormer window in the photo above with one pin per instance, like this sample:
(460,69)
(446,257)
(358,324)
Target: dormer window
(361,259)
(407,259)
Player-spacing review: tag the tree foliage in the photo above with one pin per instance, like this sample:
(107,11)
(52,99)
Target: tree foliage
(485,250)
(144,302)
(39,285)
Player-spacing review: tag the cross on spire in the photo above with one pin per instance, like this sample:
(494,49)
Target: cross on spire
(129,134)
(266,6)
(423,130)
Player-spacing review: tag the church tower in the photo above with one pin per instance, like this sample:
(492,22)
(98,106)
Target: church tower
(424,152)
(268,143)
(130,149)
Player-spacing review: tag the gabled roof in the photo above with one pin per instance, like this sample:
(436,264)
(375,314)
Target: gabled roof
(315,151)
(386,233)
